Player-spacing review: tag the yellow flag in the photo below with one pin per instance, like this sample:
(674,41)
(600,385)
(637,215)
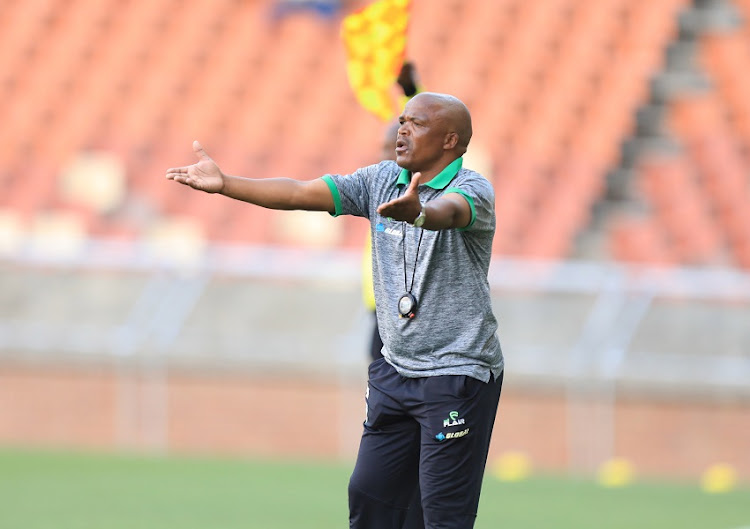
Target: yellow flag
(375,41)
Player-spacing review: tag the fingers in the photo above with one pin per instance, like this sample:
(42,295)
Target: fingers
(182,178)
(414,182)
(199,152)
(180,174)
(404,205)
(172,171)
(387,207)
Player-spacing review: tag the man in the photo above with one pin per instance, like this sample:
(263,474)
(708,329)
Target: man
(432,399)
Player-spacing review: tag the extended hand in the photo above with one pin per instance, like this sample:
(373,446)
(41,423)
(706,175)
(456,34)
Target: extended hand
(204,175)
(405,207)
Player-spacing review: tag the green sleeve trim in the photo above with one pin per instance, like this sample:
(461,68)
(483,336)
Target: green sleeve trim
(471,205)
(336,196)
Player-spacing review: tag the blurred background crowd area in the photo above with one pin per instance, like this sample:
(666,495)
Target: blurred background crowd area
(611,129)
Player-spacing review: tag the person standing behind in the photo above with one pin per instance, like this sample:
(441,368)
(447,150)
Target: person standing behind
(432,399)
(388,152)
(408,82)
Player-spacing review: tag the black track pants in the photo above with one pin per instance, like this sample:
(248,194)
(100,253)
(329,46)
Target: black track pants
(432,431)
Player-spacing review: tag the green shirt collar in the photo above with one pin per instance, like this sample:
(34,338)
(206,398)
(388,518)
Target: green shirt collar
(441,180)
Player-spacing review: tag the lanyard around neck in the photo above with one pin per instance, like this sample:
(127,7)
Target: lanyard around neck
(416,256)
(408,288)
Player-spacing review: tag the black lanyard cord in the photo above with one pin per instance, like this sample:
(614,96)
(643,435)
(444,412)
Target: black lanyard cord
(403,247)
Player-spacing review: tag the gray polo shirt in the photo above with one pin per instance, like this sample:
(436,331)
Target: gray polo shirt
(454,329)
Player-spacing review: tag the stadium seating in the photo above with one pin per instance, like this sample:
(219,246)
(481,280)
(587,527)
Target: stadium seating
(700,198)
(553,87)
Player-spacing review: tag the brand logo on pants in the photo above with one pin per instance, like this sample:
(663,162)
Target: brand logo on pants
(451,435)
(452,420)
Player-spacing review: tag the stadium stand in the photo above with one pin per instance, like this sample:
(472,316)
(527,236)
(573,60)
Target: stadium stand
(693,185)
(555,88)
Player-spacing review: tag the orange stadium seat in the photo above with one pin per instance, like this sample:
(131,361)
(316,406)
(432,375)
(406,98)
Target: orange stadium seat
(21,23)
(676,196)
(639,240)
(721,54)
(715,152)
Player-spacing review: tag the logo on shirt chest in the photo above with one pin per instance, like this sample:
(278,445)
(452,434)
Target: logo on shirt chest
(396,232)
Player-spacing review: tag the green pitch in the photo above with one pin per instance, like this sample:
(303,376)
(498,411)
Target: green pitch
(80,491)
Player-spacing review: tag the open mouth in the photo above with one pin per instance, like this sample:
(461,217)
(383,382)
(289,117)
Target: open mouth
(401,147)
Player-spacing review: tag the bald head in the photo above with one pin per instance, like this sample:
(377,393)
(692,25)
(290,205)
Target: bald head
(434,130)
(454,114)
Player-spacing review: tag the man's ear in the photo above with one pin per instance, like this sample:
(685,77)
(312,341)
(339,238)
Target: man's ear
(451,140)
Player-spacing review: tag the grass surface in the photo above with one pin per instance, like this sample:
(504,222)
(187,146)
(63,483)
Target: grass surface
(40,490)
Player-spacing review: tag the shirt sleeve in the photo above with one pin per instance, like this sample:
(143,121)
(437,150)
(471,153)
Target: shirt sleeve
(480,195)
(351,193)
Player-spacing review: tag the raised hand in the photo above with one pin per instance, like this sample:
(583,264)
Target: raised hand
(407,79)
(204,175)
(407,206)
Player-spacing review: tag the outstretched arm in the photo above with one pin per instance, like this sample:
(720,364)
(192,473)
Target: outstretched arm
(449,211)
(273,193)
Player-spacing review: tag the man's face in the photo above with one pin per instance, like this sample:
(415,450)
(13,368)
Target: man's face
(421,135)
